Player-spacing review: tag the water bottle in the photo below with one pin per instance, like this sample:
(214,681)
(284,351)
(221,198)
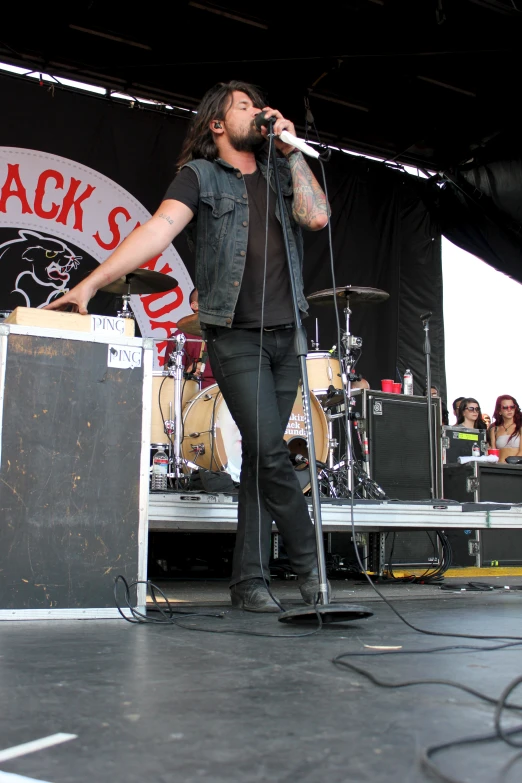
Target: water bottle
(475,450)
(160,467)
(407,382)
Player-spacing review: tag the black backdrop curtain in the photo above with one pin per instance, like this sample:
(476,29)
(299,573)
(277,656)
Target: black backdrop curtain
(478,205)
(383,235)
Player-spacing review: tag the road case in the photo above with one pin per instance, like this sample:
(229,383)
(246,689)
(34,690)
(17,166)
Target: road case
(483,482)
(75,411)
(459,441)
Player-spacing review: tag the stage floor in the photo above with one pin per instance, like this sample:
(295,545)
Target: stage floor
(167,703)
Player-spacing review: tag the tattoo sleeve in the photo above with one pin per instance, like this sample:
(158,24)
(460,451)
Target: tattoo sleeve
(309,199)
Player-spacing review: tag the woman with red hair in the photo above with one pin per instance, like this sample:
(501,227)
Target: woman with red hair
(505,430)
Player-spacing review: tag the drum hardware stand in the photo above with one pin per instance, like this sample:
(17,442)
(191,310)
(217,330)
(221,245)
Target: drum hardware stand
(425,318)
(176,372)
(349,343)
(126,311)
(315,343)
(333,443)
(328,612)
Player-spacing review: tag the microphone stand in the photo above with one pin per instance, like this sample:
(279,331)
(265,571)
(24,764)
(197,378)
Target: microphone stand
(328,612)
(427,351)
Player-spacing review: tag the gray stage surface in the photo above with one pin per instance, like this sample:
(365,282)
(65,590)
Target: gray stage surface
(165,703)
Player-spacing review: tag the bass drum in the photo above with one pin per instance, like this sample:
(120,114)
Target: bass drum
(212,440)
(162,395)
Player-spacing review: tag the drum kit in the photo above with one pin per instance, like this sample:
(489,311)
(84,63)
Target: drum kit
(196,429)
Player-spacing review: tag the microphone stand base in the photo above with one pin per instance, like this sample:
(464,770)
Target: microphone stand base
(329,613)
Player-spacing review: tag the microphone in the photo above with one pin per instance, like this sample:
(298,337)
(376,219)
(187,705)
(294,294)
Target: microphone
(425,316)
(286,137)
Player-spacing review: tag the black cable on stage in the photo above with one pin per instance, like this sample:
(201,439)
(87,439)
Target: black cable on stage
(501,704)
(506,735)
(170,616)
(430,575)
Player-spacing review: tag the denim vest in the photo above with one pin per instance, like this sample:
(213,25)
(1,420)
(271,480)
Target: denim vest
(220,236)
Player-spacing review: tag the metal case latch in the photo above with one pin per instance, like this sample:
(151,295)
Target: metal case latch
(472,484)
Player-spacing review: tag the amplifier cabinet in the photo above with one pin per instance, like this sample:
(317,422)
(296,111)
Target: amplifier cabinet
(75,411)
(396,426)
(480,482)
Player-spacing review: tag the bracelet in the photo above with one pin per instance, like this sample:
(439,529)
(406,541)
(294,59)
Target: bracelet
(292,153)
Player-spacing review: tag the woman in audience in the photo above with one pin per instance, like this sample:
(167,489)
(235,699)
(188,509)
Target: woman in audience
(469,415)
(505,430)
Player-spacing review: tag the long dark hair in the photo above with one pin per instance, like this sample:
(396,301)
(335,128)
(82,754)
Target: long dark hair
(479,424)
(199,141)
(498,421)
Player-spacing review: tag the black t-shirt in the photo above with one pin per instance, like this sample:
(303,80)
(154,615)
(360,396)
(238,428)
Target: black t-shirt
(278,297)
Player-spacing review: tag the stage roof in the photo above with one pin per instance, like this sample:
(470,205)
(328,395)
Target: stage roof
(429,83)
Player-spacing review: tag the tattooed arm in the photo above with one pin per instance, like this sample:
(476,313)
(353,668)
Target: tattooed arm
(145,242)
(310,209)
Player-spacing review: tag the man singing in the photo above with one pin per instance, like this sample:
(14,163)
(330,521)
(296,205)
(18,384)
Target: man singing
(245,309)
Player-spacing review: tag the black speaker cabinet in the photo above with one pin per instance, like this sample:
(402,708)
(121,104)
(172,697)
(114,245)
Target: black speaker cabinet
(396,427)
(477,482)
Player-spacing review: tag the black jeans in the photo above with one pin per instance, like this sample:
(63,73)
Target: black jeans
(271,493)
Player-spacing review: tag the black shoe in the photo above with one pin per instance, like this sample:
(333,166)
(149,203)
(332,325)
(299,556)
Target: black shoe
(252,596)
(309,587)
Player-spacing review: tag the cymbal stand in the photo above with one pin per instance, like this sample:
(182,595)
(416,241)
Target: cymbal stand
(176,371)
(349,343)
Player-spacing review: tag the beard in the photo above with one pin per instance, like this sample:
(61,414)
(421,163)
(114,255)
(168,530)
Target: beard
(251,141)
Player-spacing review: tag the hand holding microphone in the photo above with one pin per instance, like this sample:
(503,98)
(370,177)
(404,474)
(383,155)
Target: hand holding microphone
(280,130)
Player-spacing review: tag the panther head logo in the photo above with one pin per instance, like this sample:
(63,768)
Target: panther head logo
(40,262)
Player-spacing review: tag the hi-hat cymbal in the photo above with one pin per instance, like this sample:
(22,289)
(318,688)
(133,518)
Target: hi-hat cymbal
(190,324)
(348,293)
(142,281)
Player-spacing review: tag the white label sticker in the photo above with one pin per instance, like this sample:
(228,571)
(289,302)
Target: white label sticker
(106,323)
(123,356)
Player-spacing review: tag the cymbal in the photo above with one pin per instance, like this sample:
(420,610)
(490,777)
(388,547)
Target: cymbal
(348,293)
(142,281)
(190,324)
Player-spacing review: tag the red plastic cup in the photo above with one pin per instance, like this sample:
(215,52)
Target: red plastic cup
(387,385)
(397,388)
(493,452)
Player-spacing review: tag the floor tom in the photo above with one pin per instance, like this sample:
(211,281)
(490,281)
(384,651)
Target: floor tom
(323,371)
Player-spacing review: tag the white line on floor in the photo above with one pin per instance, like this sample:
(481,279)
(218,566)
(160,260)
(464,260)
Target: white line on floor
(10,777)
(31,747)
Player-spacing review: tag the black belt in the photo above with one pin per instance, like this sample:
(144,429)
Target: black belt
(281,326)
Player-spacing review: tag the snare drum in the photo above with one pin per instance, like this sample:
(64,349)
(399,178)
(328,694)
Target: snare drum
(163,403)
(323,371)
(211,438)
